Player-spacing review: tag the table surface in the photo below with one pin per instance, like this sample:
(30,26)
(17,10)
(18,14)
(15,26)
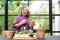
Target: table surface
(33,38)
(2,37)
(46,38)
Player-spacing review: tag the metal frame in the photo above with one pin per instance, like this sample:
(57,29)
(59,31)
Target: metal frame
(50,15)
(6,15)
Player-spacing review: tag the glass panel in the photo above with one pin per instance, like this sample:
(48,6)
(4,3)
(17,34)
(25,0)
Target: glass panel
(2,24)
(53,22)
(15,6)
(2,7)
(35,7)
(39,7)
(53,7)
(2,18)
(10,21)
(47,34)
(42,20)
(56,33)
(56,23)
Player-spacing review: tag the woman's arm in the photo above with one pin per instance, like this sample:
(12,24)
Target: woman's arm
(16,23)
(20,24)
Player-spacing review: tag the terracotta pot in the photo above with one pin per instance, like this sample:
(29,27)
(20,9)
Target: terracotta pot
(4,32)
(9,34)
(40,33)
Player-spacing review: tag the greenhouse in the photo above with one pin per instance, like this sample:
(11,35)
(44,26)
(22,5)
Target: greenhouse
(45,15)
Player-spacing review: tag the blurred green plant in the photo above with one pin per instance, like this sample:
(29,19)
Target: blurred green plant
(10,21)
(43,24)
(0,30)
(2,23)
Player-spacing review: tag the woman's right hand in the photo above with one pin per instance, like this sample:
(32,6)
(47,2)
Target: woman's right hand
(24,21)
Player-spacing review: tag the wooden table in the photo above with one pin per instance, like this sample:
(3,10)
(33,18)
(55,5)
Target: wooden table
(24,38)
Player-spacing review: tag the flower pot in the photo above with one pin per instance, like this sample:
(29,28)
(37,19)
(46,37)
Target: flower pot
(40,33)
(31,35)
(22,35)
(9,34)
(16,35)
(26,35)
(4,32)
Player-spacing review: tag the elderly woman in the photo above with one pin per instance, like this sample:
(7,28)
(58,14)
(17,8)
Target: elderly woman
(22,22)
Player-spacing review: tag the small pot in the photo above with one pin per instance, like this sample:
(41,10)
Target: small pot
(40,33)
(4,32)
(9,34)
(31,35)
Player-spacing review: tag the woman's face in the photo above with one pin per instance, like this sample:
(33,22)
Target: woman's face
(24,11)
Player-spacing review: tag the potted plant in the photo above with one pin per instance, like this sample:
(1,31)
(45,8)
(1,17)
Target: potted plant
(40,33)
(9,34)
(16,34)
(41,29)
(26,33)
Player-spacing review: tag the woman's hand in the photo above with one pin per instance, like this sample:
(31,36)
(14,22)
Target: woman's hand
(23,21)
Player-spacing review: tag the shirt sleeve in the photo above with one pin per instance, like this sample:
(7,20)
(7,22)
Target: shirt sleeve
(16,21)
